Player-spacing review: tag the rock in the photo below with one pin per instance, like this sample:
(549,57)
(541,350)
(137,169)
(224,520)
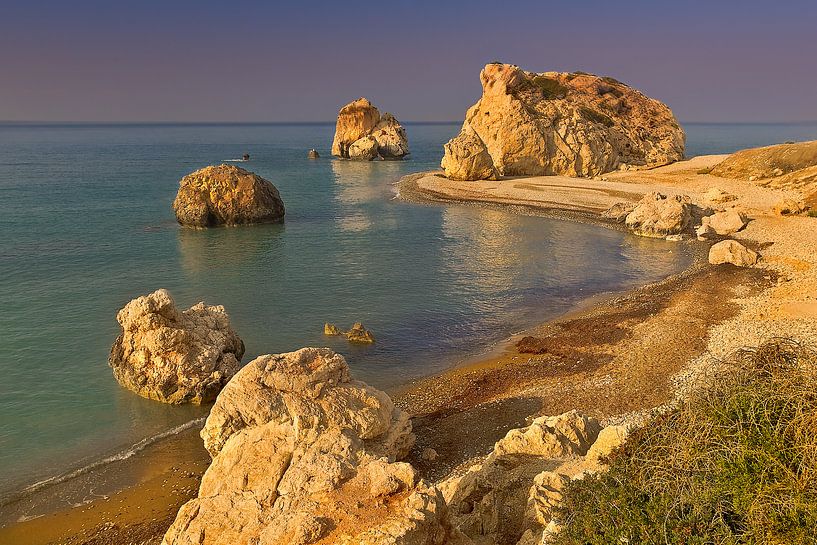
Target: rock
(172,356)
(718,196)
(771,162)
(313,154)
(658,216)
(331,330)
(363,149)
(392,142)
(560,436)
(619,211)
(361,133)
(359,334)
(609,439)
(429,454)
(226,195)
(303,453)
(467,158)
(722,224)
(572,124)
(731,251)
(789,207)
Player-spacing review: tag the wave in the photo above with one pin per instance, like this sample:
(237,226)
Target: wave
(118,457)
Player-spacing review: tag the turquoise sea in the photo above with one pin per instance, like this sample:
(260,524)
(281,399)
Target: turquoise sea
(86,225)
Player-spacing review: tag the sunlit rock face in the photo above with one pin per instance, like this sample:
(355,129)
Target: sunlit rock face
(572,124)
(362,133)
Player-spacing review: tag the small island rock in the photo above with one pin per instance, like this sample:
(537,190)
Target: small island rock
(174,356)
(313,154)
(226,195)
(362,133)
(359,334)
(572,124)
(331,330)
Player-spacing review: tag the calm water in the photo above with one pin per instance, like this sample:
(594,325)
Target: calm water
(87,225)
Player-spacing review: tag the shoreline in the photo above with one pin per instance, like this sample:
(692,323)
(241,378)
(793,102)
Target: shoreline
(615,343)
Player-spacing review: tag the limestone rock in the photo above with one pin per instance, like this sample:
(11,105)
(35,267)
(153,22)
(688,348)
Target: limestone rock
(722,223)
(718,196)
(760,164)
(659,216)
(226,195)
(303,453)
(359,334)
(731,251)
(609,439)
(789,207)
(363,149)
(331,329)
(619,211)
(572,124)
(361,133)
(391,139)
(313,154)
(174,356)
(467,158)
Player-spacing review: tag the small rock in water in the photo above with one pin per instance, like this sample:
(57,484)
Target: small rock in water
(313,154)
(331,329)
(359,334)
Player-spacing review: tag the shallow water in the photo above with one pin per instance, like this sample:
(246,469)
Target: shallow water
(87,225)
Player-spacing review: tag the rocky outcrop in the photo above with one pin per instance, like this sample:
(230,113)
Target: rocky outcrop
(510,497)
(358,333)
(226,195)
(302,453)
(789,207)
(783,166)
(659,216)
(174,356)
(731,251)
(572,124)
(467,158)
(362,133)
(721,224)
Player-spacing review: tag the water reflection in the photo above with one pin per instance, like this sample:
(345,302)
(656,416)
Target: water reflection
(218,250)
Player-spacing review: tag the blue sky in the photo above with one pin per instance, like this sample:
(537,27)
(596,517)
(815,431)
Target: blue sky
(186,60)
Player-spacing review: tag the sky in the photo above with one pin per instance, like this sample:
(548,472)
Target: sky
(253,61)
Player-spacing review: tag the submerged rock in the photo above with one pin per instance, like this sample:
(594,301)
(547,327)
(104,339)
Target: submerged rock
(659,216)
(226,195)
(361,133)
(732,251)
(172,356)
(573,124)
(303,453)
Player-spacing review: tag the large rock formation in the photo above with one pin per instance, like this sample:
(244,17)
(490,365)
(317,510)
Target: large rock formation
(784,166)
(362,133)
(573,124)
(304,454)
(226,195)
(172,356)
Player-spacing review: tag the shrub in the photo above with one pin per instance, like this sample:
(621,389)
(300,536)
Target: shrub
(734,464)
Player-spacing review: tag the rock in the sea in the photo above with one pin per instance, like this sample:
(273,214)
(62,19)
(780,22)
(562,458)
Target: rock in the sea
(174,356)
(659,216)
(302,453)
(731,251)
(361,133)
(331,330)
(467,158)
(722,223)
(313,154)
(573,124)
(363,149)
(359,334)
(789,166)
(226,195)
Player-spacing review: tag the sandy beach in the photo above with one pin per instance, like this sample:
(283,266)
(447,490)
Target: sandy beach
(608,359)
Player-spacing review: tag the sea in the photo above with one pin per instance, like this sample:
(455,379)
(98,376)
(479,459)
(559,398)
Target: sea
(86,225)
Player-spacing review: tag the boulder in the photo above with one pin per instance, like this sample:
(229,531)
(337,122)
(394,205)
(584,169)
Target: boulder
(722,223)
(467,158)
(731,251)
(572,124)
(313,154)
(718,196)
(361,133)
(302,453)
(363,149)
(757,164)
(659,216)
(174,356)
(359,334)
(789,207)
(331,330)
(226,195)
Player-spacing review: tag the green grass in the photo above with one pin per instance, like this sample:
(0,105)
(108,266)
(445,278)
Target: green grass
(734,464)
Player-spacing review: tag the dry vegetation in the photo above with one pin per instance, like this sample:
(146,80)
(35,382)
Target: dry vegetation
(736,463)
